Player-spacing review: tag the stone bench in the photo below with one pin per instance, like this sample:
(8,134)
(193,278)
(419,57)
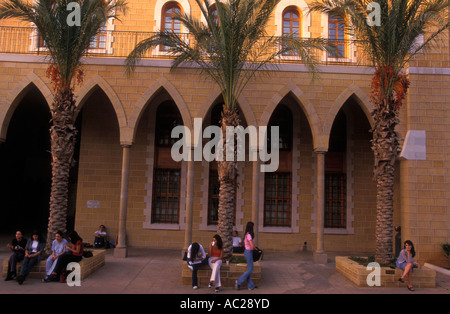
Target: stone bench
(88,265)
(356,273)
(228,274)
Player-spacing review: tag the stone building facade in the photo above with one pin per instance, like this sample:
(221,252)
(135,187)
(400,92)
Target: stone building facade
(125,178)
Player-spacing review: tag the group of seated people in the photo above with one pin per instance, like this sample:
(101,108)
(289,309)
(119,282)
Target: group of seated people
(63,251)
(196,258)
(32,251)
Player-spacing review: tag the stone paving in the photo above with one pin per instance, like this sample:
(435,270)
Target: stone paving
(158,271)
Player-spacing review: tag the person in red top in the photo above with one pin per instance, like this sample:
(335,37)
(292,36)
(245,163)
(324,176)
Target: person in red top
(74,254)
(215,261)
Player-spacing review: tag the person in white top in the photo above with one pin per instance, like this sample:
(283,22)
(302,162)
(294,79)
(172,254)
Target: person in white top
(58,249)
(100,236)
(196,258)
(237,243)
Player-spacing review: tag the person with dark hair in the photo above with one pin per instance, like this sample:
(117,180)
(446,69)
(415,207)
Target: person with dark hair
(58,249)
(196,257)
(33,254)
(405,262)
(248,253)
(74,254)
(17,246)
(237,243)
(100,237)
(215,261)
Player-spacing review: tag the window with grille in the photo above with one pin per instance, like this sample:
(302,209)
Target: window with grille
(336,36)
(335,200)
(277,199)
(166,196)
(213,203)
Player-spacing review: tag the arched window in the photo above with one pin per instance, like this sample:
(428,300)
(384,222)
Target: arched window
(291,21)
(167,173)
(169,23)
(336,36)
(171,9)
(291,25)
(278,185)
(335,176)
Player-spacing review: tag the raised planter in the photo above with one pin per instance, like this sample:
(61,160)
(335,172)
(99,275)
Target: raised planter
(87,265)
(228,274)
(358,274)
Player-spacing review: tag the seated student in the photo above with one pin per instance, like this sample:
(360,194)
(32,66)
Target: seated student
(74,254)
(17,246)
(58,249)
(215,261)
(237,243)
(196,257)
(100,237)
(34,251)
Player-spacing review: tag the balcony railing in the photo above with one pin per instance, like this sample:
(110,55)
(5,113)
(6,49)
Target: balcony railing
(118,44)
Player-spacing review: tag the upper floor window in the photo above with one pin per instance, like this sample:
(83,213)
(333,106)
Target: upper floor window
(291,21)
(336,36)
(170,10)
(291,25)
(169,23)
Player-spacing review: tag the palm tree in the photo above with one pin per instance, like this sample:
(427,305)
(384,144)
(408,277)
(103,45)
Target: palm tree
(66,46)
(406,28)
(230,48)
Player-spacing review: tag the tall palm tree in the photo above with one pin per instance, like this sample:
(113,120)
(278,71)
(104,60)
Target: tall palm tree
(406,28)
(67,44)
(230,48)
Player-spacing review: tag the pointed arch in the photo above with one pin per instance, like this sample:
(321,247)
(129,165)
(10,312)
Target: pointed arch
(16,95)
(305,105)
(361,98)
(161,84)
(243,104)
(98,82)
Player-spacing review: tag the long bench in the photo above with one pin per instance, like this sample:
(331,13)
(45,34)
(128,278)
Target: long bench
(228,274)
(88,265)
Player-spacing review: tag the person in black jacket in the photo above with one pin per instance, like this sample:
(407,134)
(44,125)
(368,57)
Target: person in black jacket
(34,251)
(17,246)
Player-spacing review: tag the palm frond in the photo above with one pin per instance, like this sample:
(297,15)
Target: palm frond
(230,47)
(66,44)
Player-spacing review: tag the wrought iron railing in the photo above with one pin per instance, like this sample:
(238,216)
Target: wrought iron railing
(118,44)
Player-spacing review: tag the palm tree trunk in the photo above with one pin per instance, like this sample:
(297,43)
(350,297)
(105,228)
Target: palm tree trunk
(385,147)
(227,179)
(63,137)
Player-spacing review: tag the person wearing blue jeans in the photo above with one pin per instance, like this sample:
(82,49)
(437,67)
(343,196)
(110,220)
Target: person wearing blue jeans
(33,255)
(196,258)
(248,253)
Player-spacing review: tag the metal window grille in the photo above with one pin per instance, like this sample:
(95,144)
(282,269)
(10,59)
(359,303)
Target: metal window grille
(277,199)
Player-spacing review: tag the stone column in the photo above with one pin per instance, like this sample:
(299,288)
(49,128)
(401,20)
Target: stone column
(189,205)
(255,197)
(320,257)
(121,249)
